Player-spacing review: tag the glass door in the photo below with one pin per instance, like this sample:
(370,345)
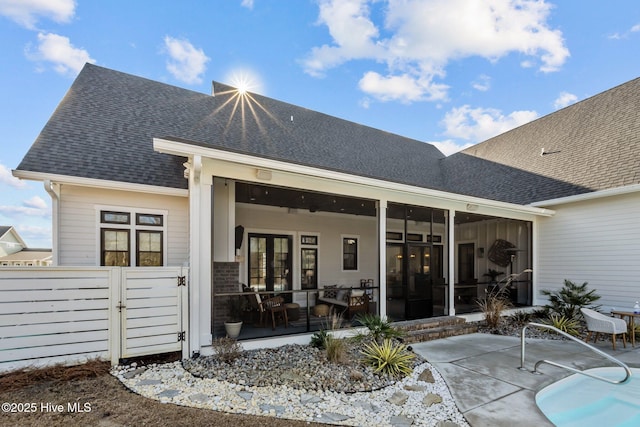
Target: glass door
(270,262)
(395,282)
(419,284)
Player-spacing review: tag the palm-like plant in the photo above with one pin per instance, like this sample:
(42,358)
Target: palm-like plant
(570,299)
(389,357)
(379,328)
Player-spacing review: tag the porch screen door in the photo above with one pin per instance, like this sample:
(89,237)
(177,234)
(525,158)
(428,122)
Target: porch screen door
(270,262)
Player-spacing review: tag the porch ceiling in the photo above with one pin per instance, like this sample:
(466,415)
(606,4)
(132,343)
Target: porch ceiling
(303,199)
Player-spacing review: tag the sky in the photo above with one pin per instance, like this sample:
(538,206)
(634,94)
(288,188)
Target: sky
(447,72)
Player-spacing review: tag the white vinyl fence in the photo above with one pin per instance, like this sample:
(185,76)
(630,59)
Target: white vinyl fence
(71,314)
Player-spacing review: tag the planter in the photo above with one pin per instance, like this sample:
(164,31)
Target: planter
(233,329)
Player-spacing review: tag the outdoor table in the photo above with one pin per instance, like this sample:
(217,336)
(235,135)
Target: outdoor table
(631,315)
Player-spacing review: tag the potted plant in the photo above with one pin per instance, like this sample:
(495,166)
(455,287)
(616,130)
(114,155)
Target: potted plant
(233,325)
(493,275)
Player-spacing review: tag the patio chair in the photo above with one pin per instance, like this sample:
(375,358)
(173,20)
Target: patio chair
(599,323)
(274,307)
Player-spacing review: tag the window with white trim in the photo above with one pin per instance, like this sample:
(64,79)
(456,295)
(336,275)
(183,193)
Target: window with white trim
(118,248)
(350,253)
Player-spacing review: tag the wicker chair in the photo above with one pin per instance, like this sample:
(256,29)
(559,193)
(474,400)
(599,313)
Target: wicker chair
(599,323)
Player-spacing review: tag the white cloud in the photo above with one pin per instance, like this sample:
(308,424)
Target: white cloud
(635,28)
(36,233)
(58,50)
(479,124)
(7,178)
(31,208)
(247,3)
(626,34)
(564,99)
(482,83)
(449,146)
(403,88)
(420,38)
(26,12)
(186,63)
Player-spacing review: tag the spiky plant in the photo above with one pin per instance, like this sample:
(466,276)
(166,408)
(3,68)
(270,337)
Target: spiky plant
(563,323)
(390,357)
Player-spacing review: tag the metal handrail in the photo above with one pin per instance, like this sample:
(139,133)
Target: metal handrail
(558,365)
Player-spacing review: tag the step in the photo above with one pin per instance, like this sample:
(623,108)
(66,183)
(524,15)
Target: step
(429,323)
(431,334)
(434,328)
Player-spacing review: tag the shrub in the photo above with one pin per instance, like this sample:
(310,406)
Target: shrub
(335,348)
(389,357)
(493,306)
(227,349)
(378,327)
(319,339)
(565,324)
(520,317)
(570,299)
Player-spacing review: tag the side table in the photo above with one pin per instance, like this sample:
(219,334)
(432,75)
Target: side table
(632,316)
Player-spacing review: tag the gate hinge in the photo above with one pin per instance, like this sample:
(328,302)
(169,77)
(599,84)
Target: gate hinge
(181,336)
(182,280)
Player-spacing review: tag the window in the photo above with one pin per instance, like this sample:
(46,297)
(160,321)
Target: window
(309,279)
(349,253)
(115,248)
(118,248)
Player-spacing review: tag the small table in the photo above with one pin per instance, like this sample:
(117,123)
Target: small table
(631,315)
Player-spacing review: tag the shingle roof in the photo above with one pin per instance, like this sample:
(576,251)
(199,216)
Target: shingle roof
(591,145)
(4,229)
(104,127)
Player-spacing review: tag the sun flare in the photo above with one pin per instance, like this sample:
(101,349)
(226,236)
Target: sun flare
(245,81)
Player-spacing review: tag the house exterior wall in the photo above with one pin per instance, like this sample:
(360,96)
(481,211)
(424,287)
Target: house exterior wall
(595,241)
(330,228)
(79,237)
(9,244)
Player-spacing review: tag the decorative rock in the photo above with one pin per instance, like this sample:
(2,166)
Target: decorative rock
(330,417)
(431,399)
(199,397)
(134,373)
(309,398)
(398,398)
(401,421)
(413,387)
(426,376)
(246,395)
(169,393)
(447,423)
(149,382)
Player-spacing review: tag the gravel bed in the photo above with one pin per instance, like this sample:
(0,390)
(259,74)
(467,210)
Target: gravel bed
(298,366)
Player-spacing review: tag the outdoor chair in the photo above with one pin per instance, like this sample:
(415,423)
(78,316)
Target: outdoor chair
(273,307)
(599,323)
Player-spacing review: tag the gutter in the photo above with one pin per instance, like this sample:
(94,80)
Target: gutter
(54,193)
(594,195)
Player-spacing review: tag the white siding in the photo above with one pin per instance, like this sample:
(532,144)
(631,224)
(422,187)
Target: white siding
(595,241)
(79,237)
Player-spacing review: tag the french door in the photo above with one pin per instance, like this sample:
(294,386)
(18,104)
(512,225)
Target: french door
(270,262)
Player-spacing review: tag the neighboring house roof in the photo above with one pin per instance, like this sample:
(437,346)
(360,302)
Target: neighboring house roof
(105,125)
(591,145)
(28,255)
(10,240)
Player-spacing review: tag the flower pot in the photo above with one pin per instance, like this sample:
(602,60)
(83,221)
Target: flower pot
(233,329)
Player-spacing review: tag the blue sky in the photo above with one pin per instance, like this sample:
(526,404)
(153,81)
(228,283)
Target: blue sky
(448,72)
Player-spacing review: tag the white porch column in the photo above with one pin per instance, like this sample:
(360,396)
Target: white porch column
(451,239)
(199,256)
(382,252)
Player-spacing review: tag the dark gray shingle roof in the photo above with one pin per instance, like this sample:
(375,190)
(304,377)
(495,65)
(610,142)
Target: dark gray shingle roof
(104,127)
(591,145)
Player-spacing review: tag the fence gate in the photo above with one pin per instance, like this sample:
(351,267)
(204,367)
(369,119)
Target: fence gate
(153,307)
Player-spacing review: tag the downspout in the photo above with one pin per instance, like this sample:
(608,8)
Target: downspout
(54,192)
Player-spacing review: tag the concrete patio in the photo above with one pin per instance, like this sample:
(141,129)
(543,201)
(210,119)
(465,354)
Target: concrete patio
(482,373)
